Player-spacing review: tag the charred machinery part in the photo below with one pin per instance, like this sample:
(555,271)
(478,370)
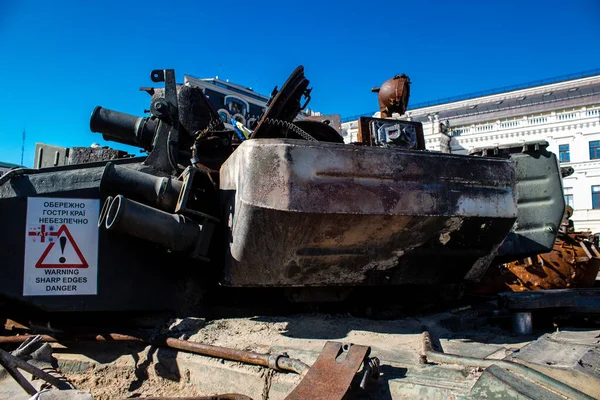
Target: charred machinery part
(165,153)
(331,376)
(172,129)
(391,133)
(279,362)
(284,105)
(393,95)
(173,231)
(198,187)
(370,372)
(433,356)
(157,191)
(572,301)
(522,323)
(196,113)
(333,120)
(539,196)
(124,128)
(319,131)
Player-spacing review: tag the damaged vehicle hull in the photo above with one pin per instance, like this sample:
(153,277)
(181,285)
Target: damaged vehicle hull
(286,206)
(328,214)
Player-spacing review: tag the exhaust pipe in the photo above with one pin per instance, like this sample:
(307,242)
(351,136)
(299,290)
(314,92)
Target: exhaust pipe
(172,231)
(159,192)
(123,128)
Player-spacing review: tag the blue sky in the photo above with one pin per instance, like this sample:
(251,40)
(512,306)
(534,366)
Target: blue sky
(59,59)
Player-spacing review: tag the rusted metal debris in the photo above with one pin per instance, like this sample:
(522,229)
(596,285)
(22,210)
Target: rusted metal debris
(284,106)
(393,95)
(331,375)
(277,362)
(574,262)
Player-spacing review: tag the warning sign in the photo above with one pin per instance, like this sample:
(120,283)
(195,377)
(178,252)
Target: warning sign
(61,247)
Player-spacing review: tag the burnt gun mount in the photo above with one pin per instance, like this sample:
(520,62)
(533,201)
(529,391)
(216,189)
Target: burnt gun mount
(172,198)
(150,201)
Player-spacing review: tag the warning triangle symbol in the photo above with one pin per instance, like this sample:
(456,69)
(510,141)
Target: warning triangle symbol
(62,252)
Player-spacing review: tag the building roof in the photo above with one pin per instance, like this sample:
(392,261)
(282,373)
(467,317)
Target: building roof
(549,98)
(460,105)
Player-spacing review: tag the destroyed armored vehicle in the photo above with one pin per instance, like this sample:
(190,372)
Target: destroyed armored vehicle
(288,207)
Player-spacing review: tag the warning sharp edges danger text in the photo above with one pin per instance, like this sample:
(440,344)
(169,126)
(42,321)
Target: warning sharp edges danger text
(61,247)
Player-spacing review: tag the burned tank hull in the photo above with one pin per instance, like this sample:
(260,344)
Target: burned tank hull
(205,211)
(301,214)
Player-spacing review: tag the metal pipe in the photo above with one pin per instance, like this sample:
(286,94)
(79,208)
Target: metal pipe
(274,361)
(16,375)
(172,231)
(432,355)
(522,323)
(123,128)
(159,192)
(104,211)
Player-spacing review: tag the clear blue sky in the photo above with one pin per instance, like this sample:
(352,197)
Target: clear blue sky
(59,59)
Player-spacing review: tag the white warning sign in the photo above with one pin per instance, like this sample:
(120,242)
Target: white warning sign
(61,247)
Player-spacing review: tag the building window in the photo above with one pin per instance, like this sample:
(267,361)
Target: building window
(594,149)
(236,106)
(224,114)
(563,153)
(596,197)
(569,196)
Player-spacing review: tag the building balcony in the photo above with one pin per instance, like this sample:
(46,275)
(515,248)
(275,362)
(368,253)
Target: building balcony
(526,122)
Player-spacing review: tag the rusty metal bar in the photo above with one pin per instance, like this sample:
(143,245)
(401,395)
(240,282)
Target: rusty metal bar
(11,362)
(274,361)
(332,374)
(11,368)
(431,355)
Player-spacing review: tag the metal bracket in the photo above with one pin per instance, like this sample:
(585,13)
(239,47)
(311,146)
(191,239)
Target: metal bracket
(182,206)
(166,142)
(333,372)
